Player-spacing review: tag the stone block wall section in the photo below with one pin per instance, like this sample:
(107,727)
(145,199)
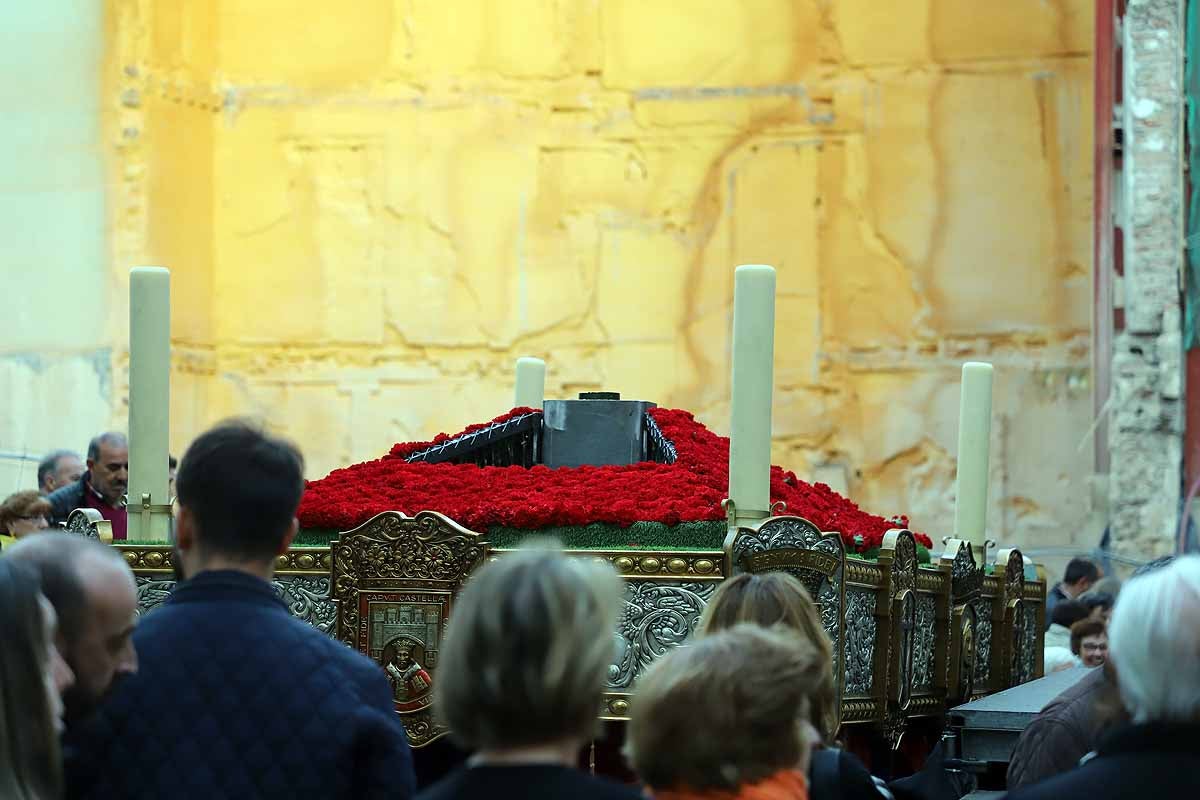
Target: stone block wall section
(1146,431)
(371,214)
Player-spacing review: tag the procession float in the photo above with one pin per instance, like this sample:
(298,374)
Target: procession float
(920,623)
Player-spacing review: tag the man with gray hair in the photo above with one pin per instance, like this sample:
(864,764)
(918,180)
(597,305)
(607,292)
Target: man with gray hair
(1155,638)
(95,598)
(102,487)
(57,470)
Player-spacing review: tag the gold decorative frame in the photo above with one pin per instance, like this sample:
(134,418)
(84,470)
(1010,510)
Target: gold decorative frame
(396,560)
(957,565)
(89,523)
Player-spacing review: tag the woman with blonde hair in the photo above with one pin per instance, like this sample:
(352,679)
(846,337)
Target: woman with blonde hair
(726,718)
(32,678)
(523,670)
(778,600)
(21,514)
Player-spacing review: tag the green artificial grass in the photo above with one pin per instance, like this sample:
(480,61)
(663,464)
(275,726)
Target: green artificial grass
(599,536)
(315,537)
(638,536)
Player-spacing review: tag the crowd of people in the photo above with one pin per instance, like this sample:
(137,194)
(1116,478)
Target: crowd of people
(222,693)
(65,482)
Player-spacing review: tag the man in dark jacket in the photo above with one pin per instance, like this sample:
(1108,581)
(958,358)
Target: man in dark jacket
(1078,578)
(102,487)
(235,698)
(1155,635)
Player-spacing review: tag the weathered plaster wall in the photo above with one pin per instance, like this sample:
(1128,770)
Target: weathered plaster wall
(56,335)
(370,215)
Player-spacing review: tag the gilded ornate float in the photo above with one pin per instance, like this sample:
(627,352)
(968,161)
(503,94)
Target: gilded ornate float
(910,639)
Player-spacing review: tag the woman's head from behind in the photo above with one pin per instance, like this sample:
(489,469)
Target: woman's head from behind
(32,677)
(527,651)
(773,599)
(729,710)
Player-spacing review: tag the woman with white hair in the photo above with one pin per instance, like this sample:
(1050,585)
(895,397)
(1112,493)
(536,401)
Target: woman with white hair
(523,671)
(1154,645)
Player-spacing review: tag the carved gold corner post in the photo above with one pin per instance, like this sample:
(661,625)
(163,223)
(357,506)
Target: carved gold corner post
(89,523)
(394,582)
(796,546)
(1014,639)
(898,560)
(966,584)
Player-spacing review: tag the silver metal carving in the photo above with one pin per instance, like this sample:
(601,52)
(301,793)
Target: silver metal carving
(151,592)
(780,534)
(1029,652)
(84,522)
(860,641)
(655,617)
(307,598)
(983,642)
(923,658)
(829,600)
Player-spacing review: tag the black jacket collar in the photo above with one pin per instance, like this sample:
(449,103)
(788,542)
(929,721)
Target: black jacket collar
(1158,737)
(226,585)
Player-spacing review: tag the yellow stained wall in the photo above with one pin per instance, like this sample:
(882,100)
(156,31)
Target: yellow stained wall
(372,211)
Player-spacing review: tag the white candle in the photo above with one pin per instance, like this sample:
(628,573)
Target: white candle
(753,381)
(531,383)
(974,440)
(149,397)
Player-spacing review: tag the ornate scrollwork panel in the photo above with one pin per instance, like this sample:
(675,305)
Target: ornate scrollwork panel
(963,653)
(899,555)
(151,592)
(904,644)
(307,598)
(983,642)
(1014,616)
(966,578)
(925,654)
(89,523)
(1010,570)
(777,533)
(1027,669)
(655,617)
(860,641)
(393,581)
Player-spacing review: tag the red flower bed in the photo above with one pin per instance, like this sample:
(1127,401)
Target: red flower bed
(690,490)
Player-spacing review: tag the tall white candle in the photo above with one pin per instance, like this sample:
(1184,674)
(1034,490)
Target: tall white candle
(531,383)
(753,381)
(149,397)
(974,441)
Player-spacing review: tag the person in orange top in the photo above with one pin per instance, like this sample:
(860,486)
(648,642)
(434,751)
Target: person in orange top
(726,718)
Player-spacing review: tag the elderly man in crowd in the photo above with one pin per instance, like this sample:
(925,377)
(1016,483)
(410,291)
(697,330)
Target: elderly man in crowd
(1155,635)
(94,595)
(60,468)
(102,487)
